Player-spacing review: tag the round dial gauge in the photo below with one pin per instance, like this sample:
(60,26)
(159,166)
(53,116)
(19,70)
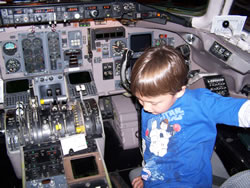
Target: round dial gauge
(26,43)
(37,42)
(118,48)
(9,48)
(13,65)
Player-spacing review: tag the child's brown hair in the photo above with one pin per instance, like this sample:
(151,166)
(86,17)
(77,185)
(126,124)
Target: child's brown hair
(158,71)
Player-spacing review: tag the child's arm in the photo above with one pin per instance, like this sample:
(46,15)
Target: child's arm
(137,182)
(244,115)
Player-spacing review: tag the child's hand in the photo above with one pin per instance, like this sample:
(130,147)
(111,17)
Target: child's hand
(137,182)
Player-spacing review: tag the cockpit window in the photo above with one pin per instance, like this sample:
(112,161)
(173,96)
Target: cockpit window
(242,7)
(180,7)
(194,8)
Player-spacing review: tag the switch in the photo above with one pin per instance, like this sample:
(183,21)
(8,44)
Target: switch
(49,92)
(58,92)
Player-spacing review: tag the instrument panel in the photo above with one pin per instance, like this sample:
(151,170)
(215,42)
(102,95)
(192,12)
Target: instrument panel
(74,11)
(45,56)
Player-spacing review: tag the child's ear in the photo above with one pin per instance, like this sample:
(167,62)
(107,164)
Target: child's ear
(181,92)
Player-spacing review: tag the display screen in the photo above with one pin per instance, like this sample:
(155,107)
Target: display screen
(72,9)
(91,8)
(79,77)
(45,10)
(138,43)
(84,167)
(19,11)
(17,86)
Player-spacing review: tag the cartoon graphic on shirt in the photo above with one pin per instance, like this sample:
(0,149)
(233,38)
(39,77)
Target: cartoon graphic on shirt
(159,137)
(158,133)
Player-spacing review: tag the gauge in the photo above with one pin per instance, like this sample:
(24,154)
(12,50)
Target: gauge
(118,48)
(128,6)
(13,65)
(53,42)
(53,35)
(37,42)
(10,48)
(38,51)
(28,60)
(27,52)
(29,68)
(26,43)
(117,8)
(38,60)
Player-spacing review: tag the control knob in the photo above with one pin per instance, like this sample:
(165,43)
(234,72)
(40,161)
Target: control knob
(39,18)
(94,13)
(77,16)
(17,20)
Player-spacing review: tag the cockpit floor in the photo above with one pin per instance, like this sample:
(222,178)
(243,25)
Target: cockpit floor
(119,162)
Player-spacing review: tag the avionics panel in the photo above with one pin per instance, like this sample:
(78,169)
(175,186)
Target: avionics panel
(81,82)
(79,77)
(11,55)
(16,90)
(50,88)
(139,42)
(109,44)
(30,51)
(49,12)
(33,53)
(17,86)
(43,161)
(41,52)
(84,169)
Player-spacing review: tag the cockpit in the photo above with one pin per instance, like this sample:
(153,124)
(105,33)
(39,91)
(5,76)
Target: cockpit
(64,83)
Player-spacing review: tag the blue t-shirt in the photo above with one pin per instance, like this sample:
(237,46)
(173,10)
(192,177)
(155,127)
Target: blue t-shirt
(178,144)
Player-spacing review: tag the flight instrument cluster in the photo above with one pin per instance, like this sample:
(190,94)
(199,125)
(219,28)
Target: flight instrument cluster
(54,60)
